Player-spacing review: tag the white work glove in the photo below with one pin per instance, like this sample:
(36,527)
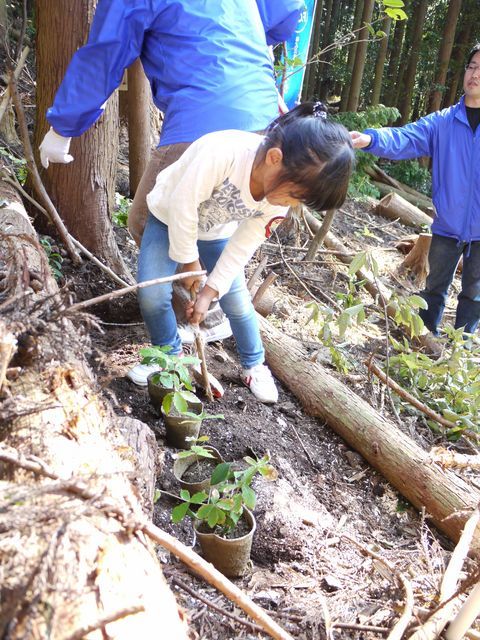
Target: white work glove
(54,148)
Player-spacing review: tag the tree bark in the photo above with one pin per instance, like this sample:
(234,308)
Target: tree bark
(403,463)
(417,19)
(380,63)
(352,49)
(66,563)
(360,58)
(415,199)
(444,54)
(311,72)
(394,206)
(417,259)
(324,40)
(82,191)
(139,142)
(388,92)
(460,49)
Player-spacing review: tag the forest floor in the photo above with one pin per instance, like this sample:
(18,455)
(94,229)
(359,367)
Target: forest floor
(308,569)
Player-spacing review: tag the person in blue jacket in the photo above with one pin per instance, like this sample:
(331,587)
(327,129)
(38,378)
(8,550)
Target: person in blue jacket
(208,64)
(451,137)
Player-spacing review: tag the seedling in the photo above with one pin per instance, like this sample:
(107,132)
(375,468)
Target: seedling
(230,493)
(173,369)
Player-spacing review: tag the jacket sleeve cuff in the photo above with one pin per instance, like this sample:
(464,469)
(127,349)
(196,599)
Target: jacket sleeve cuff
(374,139)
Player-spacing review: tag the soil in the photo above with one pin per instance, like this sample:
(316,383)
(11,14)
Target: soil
(309,565)
(199,470)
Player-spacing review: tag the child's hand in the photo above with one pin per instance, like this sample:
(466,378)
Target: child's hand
(197,310)
(193,282)
(360,140)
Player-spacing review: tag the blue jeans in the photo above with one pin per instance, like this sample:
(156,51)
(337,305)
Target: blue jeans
(156,301)
(443,259)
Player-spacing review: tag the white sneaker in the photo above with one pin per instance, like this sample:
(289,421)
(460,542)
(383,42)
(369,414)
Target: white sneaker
(139,374)
(218,332)
(260,381)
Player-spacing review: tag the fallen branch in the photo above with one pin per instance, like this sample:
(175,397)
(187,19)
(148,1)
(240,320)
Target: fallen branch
(454,459)
(449,600)
(16,74)
(78,244)
(100,624)
(400,391)
(260,292)
(118,293)
(36,180)
(98,498)
(320,235)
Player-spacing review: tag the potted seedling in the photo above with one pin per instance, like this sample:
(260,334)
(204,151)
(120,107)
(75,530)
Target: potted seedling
(194,467)
(183,414)
(172,374)
(223,518)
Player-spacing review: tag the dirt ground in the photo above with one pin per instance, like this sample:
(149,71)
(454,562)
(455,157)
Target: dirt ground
(308,568)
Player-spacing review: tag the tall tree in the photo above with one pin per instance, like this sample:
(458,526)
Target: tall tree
(418,18)
(360,56)
(324,41)
(388,86)
(82,191)
(139,143)
(460,49)
(352,49)
(444,54)
(380,62)
(312,67)
(326,82)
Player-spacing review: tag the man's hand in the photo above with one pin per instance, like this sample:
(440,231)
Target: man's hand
(54,148)
(197,310)
(360,140)
(192,282)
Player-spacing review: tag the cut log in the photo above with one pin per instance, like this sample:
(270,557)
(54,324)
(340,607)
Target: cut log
(394,206)
(67,565)
(418,201)
(417,259)
(446,498)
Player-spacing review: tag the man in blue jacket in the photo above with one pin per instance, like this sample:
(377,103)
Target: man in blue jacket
(208,65)
(451,137)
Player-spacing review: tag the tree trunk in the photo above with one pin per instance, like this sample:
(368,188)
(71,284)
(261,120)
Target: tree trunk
(444,54)
(417,200)
(67,563)
(83,190)
(352,49)
(139,142)
(360,58)
(393,63)
(460,50)
(326,83)
(380,63)
(311,72)
(317,241)
(324,39)
(418,19)
(417,259)
(395,207)
(403,463)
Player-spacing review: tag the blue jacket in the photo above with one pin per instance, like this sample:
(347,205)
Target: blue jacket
(207,62)
(448,139)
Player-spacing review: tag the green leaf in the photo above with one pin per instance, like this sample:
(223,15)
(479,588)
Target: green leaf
(357,263)
(214,517)
(394,3)
(220,473)
(179,512)
(199,497)
(185,494)
(249,497)
(417,301)
(396,14)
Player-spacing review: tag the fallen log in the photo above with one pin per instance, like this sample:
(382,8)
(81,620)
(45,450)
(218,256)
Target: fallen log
(447,499)
(396,207)
(419,201)
(67,567)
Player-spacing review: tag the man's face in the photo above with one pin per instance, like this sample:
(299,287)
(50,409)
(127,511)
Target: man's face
(471,80)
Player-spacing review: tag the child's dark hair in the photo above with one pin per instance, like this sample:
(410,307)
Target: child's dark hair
(318,156)
(475,49)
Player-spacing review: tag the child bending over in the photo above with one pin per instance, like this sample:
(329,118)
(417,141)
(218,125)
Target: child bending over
(215,205)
